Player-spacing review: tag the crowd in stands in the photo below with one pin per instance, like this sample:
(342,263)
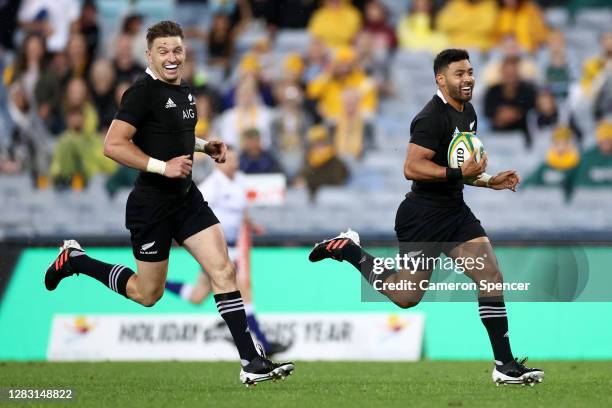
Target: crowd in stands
(310,113)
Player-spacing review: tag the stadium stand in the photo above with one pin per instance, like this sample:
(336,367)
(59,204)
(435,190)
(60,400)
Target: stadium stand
(33,208)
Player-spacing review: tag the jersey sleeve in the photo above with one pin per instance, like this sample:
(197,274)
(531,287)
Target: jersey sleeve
(426,131)
(134,105)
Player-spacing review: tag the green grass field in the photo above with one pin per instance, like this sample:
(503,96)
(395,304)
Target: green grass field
(422,384)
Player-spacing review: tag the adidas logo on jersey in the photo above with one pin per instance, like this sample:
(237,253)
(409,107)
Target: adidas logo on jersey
(170,104)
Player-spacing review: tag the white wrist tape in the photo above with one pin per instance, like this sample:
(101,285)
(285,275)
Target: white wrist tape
(486,178)
(156,166)
(200,144)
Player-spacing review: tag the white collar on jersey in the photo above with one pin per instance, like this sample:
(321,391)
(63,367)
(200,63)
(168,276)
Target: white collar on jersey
(439,93)
(148,71)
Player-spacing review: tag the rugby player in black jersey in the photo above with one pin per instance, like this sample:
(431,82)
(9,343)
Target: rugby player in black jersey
(434,218)
(153,131)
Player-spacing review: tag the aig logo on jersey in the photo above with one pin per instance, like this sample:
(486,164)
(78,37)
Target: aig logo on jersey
(188,113)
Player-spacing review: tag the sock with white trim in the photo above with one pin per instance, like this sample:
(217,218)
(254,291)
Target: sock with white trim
(231,308)
(493,316)
(113,276)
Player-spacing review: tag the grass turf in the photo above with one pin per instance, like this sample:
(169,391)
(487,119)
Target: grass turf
(331,384)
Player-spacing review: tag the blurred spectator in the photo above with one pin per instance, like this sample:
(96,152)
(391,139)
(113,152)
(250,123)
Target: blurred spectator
(248,113)
(375,60)
(559,168)
(126,67)
(352,133)
(124,177)
(322,166)
(267,60)
(249,70)
(133,27)
(289,129)
(291,74)
(416,30)
(376,23)
(254,159)
(507,104)
(546,112)
(54,19)
(29,66)
(220,42)
(559,72)
(596,165)
(295,13)
(102,85)
(77,96)
(78,59)
(29,149)
(204,108)
(88,27)
(78,155)
(603,96)
(60,67)
(523,19)
(469,24)
(594,66)
(344,73)
(41,86)
(238,11)
(335,23)
(509,48)
(315,60)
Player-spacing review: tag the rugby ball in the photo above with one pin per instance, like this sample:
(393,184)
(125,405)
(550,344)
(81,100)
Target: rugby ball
(462,147)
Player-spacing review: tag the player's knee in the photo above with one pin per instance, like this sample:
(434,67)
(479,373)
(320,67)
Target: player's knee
(494,275)
(151,298)
(225,276)
(407,304)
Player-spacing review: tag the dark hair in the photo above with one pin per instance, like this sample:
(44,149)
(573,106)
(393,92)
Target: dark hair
(163,29)
(447,57)
(21,64)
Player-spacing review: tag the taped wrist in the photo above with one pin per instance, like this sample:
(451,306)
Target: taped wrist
(200,145)
(156,166)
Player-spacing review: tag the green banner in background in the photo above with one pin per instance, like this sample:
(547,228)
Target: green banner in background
(285,282)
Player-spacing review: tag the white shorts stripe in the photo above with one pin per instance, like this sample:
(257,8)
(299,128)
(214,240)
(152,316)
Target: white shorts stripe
(489,316)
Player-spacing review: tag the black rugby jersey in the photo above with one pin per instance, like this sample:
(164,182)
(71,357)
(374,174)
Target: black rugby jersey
(433,128)
(164,116)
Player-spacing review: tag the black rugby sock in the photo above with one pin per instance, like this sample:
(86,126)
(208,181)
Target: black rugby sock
(231,309)
(114,277)
(493,315)
(364,263)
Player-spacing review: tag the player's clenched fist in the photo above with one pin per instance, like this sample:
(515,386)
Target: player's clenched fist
(179,167)
(471,168)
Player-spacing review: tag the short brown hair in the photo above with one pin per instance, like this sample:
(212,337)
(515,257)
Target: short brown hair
(164,28)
